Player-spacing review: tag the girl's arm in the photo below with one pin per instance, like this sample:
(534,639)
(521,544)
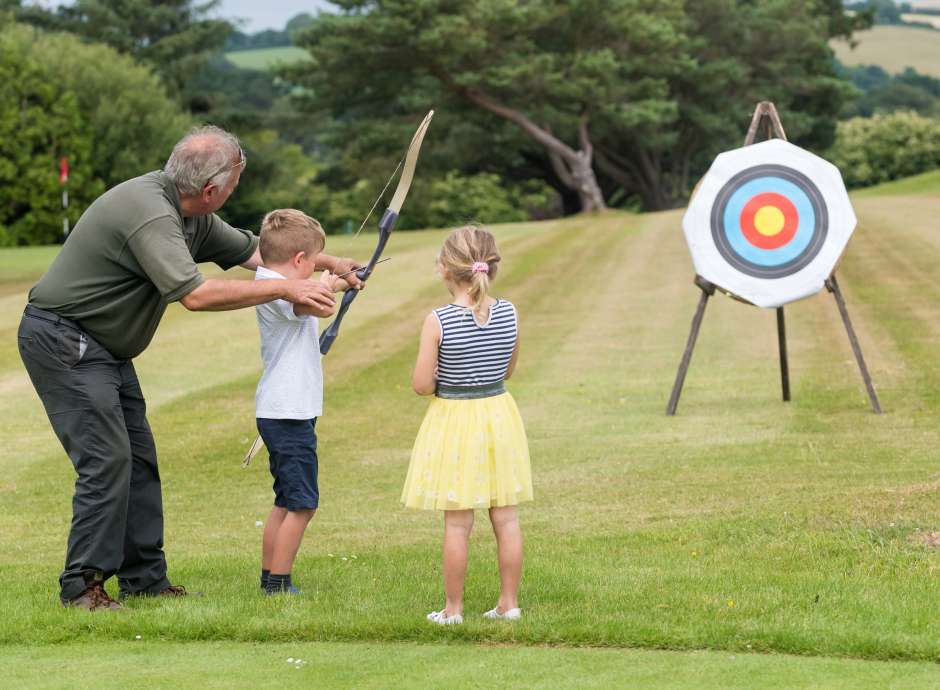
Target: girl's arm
(424,379)
(515,356)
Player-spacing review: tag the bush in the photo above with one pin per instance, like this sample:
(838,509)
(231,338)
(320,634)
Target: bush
(485,197)
(39,123)
(133,122)
(869,151)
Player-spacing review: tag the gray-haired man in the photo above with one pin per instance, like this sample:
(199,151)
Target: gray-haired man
(134,251)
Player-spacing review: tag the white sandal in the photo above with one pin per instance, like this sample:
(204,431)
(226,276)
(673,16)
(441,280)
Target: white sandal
(441,618)
(510,615)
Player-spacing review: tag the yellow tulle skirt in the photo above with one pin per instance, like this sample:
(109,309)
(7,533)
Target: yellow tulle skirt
(469,454)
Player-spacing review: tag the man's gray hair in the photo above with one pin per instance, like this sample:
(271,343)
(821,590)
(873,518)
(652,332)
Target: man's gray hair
(206,154)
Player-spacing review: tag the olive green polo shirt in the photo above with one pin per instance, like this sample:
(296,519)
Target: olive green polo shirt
(131,254)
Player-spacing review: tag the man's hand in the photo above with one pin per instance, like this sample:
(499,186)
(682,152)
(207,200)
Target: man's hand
(348,266)
(310,297)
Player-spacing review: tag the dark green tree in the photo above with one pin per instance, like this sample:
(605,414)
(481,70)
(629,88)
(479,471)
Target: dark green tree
(550,68)
(607,99)
(742,52)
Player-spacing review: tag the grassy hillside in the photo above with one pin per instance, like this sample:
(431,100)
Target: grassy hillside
(742,525)
(266,58)
(894,48)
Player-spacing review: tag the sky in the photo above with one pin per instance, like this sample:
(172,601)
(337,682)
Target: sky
(268,14)
(257,15)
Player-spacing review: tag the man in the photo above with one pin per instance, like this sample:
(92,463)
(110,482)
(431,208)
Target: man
(134,251)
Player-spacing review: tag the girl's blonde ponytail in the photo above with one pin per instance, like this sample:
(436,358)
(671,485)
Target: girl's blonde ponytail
(469,256)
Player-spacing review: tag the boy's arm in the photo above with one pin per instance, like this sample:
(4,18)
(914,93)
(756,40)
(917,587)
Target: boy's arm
(424,379)
(339,265)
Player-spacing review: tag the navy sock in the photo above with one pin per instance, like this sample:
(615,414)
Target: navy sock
(278,583)
(265,574)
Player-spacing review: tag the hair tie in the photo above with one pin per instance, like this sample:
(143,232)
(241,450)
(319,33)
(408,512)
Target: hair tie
(481,267)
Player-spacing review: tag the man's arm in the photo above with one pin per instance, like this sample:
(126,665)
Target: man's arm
(253,261)
(325,262)
(223,295)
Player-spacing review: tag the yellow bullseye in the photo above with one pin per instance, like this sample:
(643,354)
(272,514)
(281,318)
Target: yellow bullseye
(769,221)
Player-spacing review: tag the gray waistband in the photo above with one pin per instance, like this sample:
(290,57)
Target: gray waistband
(487,390)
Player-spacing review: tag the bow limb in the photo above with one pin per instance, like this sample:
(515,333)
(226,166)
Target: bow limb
(386,225)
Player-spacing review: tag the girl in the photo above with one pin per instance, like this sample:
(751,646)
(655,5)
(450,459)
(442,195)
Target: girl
(471,451)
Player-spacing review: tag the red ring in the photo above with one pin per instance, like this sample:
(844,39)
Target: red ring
(791,220)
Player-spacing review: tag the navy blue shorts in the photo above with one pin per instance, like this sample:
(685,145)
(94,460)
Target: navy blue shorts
(292,447)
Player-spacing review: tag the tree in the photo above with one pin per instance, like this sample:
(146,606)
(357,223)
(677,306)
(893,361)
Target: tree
(741,53)
(176,37)
(613,99)
(550,68)
(39,123)
(131,120)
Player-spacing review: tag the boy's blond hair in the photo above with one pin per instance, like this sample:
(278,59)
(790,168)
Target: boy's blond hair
(286,231)
(465,247)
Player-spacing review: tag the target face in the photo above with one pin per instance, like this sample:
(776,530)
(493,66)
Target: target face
(769,222)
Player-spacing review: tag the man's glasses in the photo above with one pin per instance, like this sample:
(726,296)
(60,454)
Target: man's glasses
(242,161)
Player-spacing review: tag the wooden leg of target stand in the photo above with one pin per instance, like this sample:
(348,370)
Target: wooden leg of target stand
(833,286)
(784,364)
(707,291)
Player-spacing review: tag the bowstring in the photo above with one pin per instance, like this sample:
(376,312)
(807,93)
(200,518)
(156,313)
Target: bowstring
(380,196)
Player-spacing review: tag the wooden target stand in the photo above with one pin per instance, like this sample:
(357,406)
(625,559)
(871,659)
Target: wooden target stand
(766,114)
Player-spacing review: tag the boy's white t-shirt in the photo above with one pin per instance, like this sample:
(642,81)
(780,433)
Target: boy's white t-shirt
(291,386)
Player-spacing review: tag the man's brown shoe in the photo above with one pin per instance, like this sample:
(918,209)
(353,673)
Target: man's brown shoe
(93,598)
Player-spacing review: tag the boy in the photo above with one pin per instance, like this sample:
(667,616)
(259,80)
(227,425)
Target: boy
(290,393)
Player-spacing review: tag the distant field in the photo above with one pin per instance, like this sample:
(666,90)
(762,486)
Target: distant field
(265,58)
(932,19)
(894,48)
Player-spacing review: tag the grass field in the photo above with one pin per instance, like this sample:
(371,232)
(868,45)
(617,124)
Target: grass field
(762,543)
(894,48)
(265,58)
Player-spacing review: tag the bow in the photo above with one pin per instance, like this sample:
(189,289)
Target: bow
(386,225)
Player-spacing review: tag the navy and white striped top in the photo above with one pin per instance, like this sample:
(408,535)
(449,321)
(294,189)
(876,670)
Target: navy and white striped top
(472,354)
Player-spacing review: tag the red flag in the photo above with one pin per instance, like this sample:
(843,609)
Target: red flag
(63,170)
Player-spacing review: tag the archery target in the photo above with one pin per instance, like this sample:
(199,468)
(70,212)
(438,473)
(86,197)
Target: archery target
(769,222)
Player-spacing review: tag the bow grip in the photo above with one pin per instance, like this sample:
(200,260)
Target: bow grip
(329,335)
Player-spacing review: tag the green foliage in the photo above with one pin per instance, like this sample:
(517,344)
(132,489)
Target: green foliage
(881,92)
(176,37)
(132,121)
(240,41)
(883,11)
(661,86)
(869,151)
(39,122)
(484,198)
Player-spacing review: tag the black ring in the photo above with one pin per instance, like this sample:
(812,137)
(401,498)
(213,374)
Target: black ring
(797,263)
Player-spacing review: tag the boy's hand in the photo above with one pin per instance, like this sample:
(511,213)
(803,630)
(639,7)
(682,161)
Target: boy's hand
(349,267)
(330,280)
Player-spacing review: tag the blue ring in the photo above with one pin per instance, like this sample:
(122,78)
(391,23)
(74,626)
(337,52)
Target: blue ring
(769,263)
